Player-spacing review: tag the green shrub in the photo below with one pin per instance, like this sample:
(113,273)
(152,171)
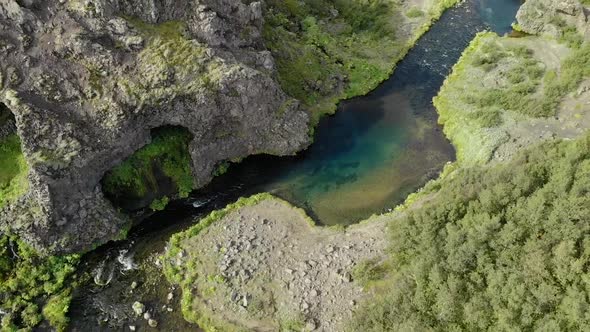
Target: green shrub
(502,247)
(29,281)
(56,309)
(414,12)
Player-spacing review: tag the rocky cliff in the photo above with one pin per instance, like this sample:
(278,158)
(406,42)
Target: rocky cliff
(87,80)
(554,18)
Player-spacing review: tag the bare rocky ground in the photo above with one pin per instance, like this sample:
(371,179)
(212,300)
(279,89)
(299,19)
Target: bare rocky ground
(266,268)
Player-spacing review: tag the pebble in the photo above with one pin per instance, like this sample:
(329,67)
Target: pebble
(310,325)
(170,297)
(131,327)
(134,285)
(147,316)
(138,308)
(152,323)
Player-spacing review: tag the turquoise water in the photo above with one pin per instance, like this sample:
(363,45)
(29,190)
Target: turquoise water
(379,148)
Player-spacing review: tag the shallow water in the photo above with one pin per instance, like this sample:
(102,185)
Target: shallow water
(366,159)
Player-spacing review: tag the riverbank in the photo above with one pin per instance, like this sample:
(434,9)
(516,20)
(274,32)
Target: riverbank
(508,93)
(327,52)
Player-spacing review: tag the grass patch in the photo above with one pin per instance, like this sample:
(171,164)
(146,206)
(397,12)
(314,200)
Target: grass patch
(33,288)
(414,12)
(14,170)
(160,204)
(327,51)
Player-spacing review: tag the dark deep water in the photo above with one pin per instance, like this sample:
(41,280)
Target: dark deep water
(366,159)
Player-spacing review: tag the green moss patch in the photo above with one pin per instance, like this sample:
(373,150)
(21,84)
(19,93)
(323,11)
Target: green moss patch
(140,175)
(14,170)
(33,288)
(171,65)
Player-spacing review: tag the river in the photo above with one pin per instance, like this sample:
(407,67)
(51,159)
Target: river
(365,160)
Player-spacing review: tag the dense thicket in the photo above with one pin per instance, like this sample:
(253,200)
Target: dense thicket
(501,248)
(33,288)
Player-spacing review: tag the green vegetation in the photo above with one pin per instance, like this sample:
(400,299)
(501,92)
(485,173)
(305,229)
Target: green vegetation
(185,275)
(331,50)
(501,248)
(498,80)
(414,12)
(369,271)
(14,170)
(160,204)
(137,176)
(32,287)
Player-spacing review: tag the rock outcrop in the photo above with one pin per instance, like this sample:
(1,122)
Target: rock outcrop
(87,80)
(553,17)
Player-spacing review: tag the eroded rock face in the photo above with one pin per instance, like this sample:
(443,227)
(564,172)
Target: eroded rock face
(87,81)
(552,17)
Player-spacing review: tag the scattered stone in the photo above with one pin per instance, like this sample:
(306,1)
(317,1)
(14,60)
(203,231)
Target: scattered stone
(134,285)
(131,327)
(138,308)
(147,316)
(310,325)
(170,297)
(153,323)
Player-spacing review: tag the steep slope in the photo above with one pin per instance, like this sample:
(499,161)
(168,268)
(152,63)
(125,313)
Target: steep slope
(88,80)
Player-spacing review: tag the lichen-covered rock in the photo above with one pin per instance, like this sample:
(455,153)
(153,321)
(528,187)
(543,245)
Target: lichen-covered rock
(553,17)
(87,80)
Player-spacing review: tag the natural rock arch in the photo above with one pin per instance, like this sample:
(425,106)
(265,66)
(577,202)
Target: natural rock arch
(158,171)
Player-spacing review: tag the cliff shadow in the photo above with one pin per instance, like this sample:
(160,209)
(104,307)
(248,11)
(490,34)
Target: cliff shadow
(7,122)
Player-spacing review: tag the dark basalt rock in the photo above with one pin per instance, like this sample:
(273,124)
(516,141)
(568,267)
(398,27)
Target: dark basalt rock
(87,80)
